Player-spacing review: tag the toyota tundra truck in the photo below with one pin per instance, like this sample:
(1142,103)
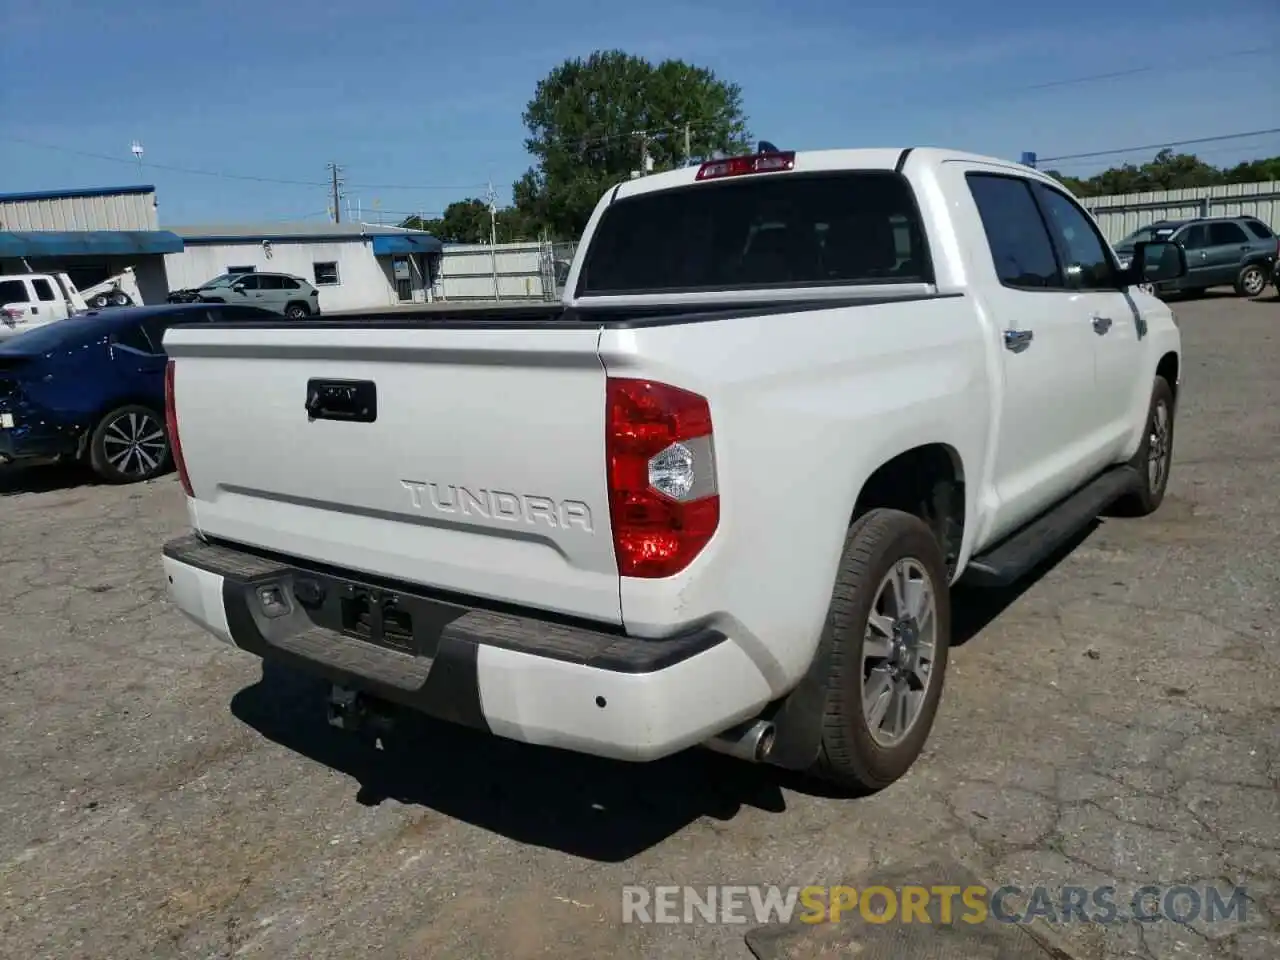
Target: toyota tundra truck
(716,496)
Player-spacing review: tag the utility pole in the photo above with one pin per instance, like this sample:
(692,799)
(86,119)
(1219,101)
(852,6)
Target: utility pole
(491,198)
(688,151)
(334,170)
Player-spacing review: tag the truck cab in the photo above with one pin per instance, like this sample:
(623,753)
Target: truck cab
(30,300)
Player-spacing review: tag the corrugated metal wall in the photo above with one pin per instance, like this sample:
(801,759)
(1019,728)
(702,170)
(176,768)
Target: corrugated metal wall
(525,271)
(117,211)
(1119,216)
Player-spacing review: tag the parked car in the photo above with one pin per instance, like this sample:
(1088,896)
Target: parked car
(1221,251)
(794,396)
(90,388)
(31,300)
(278,292)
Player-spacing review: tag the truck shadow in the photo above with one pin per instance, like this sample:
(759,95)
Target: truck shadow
(598,809)
(42,478)
(589,807)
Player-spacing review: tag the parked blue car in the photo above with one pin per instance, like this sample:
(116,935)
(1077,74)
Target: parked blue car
(90,388)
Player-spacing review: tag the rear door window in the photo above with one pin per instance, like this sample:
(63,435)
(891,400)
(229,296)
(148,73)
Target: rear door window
(760,232)
(1021,248)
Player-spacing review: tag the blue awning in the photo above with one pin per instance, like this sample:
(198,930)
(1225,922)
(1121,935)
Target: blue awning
(88,243)
(386,244)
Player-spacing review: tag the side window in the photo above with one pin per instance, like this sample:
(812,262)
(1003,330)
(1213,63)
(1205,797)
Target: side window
(249,283)
(1222,234)
(1016,233)
(1088,265)
(269,281)
(1195,237)
(134,338)
(326,273)
(44,291)
(288,283)
(1259,229)
(13,291)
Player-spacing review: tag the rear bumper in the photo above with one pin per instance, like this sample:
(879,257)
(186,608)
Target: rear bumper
(22,444)
(516,676)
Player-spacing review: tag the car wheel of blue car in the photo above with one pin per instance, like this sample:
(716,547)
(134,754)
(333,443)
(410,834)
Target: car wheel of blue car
(129,445)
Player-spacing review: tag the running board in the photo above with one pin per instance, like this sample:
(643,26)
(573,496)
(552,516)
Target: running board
(1021,552)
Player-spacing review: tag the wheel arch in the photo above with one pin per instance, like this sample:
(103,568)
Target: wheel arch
(928,481)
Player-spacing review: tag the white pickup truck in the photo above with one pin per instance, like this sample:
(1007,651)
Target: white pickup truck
(718,495)
(30,300)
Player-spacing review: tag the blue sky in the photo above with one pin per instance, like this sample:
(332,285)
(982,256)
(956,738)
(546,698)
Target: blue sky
(421,101)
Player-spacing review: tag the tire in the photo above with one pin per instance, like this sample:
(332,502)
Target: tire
(1251,281)
(121,299)
(99,301)
(878,547)
(297,311)
(125,447)
(1157,436)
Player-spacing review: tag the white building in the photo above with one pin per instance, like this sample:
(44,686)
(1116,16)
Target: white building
(91,233)
(355,266)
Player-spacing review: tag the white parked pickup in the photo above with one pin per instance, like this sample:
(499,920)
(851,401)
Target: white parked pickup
(716,496)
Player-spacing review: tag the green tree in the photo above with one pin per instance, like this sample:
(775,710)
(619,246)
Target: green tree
(467,221)
(1168,171)
(590,122)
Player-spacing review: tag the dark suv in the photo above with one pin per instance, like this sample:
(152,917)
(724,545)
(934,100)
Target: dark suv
(1238,251)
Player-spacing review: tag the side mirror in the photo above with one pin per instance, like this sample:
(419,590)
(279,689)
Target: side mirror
(238,288)
(1156,261)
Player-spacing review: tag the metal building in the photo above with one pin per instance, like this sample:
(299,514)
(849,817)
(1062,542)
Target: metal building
(90,234)
(355,266)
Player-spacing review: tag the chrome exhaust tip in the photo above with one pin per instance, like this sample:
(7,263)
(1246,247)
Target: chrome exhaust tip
(750,741)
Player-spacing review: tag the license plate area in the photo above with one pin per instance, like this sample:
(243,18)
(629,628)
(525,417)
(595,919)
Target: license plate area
(384,617)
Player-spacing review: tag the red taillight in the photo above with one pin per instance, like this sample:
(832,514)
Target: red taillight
(171,424)
(663,500)
(738,166)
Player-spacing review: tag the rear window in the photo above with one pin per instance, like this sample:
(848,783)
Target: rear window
(1259,229)
(758,233)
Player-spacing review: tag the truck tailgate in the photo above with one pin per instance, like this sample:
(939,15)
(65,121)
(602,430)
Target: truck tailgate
(480,469)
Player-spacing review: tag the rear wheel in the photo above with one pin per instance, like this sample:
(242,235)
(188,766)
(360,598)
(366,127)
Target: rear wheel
(297,311)
(889,629)
(129,445)
(1251,280)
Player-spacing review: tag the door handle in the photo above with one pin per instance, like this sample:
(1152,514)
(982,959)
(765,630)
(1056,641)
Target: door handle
(1017,340)
(1101,325)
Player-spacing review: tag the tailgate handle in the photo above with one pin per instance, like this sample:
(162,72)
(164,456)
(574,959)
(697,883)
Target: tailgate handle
(354,400)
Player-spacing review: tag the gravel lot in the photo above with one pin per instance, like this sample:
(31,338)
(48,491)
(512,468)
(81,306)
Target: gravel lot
(1117,721)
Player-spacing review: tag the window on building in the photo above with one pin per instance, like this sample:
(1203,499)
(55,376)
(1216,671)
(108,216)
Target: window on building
(242,269)
(326,273)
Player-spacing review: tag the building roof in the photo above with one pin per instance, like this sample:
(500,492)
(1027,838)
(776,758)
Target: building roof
(223,232)
(77,192)
(386,239)
(87,243)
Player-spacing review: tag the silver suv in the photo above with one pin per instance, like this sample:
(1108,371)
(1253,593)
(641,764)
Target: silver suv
(279,292)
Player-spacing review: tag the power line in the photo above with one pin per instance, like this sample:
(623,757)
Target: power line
(222,174)
(1158,146)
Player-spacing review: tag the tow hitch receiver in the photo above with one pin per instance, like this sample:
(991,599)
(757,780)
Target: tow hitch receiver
(357,712)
